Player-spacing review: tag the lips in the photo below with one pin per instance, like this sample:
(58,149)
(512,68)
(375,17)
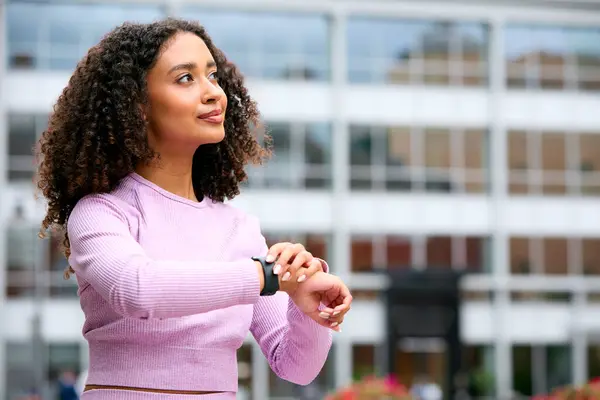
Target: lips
(211,114)
(213,117)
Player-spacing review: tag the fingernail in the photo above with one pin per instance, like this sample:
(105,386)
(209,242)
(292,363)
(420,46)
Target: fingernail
(286,277)
(334,324)
(277,269)
(335,313)
(270,258)
(302,278)
(324,315)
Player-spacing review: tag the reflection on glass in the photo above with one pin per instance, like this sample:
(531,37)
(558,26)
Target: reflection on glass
(56,36)
(478,361)
(279,45)
(591,256)
(522,376)
(245,362)
(556,253)
(541,369)
(58,360)
(363,361)
(439,252)
(22,249)
(418,158)
(22,134)
(421,52)
(370,253)
(398,252)
(593,361)
(553,163)
(19,369)
(362,254)
(23,131)
(301,157)
(553,57)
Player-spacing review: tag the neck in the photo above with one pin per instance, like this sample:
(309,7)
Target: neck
(174,177)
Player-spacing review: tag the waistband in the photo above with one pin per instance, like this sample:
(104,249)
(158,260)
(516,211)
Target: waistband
(165,367)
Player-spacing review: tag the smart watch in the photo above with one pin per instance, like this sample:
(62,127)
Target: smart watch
(271,280)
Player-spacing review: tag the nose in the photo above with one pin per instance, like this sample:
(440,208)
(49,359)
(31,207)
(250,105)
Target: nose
(212,93)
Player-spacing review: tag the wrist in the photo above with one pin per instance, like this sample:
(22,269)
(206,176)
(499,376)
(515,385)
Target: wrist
(261,275)
(269,283)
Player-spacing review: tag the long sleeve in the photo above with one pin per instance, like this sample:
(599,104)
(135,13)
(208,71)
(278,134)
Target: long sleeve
(295,346)
(105,254)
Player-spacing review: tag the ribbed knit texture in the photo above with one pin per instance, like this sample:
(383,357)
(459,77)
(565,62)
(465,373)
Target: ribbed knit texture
(169,293)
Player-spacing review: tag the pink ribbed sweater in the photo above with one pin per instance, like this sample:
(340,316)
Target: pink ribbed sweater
(169,293)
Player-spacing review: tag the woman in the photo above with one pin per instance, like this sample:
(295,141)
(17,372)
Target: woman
(147,140)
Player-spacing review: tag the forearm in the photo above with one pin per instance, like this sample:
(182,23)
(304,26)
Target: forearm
(296,347)
(168,289)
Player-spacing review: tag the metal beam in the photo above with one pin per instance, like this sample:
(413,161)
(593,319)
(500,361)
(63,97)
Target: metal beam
(3,226)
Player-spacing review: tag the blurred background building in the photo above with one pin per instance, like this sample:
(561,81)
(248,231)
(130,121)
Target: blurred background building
(452,134)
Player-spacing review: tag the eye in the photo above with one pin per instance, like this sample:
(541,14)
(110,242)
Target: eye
(213,76)
(187,78)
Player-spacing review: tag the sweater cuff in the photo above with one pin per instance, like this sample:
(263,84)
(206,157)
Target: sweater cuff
(324,265)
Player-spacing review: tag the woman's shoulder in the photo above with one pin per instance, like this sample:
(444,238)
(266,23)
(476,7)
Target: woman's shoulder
(102,205)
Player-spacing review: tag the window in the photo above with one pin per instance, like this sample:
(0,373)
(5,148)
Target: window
(245,370)
(301,158)
(554,163)
(553,58)
(29,255)
(438,53)
(28,367)
(23,250)
(373,253)
(478,362)
(363,361)
(23,133)
(556,256)
(540,369)
(418,159)
(278,47)
(551,256)
(56,36)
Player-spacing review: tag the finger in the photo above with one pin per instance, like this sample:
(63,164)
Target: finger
(339,317)
(285,258)
(295,268)
(336,323)
(276,250)
(305,273)
(323,320)
(344,306)
(320,319)
(302,258)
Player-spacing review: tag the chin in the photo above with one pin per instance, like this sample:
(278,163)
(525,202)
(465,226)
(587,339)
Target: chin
(216,138)
(211,136)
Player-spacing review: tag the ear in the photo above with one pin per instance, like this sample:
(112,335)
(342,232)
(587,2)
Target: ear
(143,112)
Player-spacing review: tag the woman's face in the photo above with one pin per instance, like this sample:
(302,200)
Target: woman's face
(186,104)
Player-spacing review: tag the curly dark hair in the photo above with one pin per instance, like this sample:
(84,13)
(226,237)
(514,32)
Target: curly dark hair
(96,134)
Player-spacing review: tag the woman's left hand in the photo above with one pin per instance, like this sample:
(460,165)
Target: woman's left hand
(328,290)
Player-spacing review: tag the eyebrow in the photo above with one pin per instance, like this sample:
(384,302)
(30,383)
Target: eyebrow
(191,65)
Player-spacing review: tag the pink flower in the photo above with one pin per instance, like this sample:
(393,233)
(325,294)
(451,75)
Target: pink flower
(391,382)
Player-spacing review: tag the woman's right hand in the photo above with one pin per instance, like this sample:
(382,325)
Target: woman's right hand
(293,265)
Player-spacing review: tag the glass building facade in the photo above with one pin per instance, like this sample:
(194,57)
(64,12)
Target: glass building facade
(406,135)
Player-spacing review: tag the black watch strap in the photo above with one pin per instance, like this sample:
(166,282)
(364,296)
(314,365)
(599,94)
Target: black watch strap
(271,280)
